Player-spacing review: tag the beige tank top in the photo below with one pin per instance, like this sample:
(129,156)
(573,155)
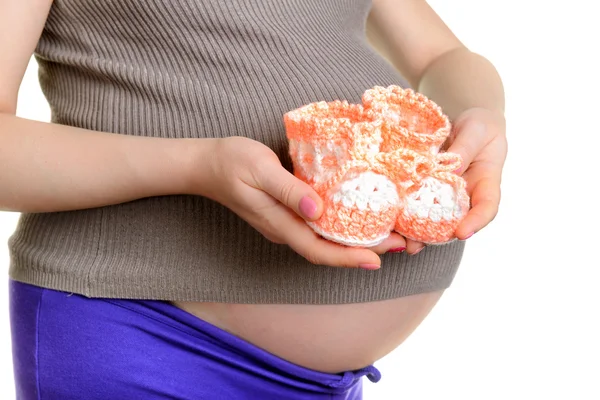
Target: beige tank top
(200,69)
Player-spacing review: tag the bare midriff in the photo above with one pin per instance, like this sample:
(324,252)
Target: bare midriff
(327,338)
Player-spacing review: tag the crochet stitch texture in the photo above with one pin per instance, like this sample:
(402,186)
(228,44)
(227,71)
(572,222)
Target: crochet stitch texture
(378,167)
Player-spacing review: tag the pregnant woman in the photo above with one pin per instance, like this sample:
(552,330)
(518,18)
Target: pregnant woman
(163,250)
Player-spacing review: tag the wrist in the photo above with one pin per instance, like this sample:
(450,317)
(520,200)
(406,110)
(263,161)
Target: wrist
(483,114)
(488,111)
(164,167)
(195,159)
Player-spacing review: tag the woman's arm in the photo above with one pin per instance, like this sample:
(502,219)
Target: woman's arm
(415,39)
(466,85)
(48,167)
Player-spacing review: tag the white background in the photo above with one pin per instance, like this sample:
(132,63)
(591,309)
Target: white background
(521,320)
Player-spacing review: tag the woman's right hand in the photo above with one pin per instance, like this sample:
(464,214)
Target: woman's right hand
(248,178)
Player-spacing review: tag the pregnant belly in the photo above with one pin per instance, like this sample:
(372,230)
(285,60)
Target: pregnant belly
(327,338)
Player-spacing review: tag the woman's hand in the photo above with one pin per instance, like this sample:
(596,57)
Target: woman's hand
(465,84)
(479,136)
(248,178)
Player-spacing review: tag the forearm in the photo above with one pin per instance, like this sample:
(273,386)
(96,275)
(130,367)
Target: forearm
(49,167)
(459,80)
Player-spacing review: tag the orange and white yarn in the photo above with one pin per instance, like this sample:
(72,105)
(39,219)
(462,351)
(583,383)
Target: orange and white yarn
(434,201)
(378,167)
(331,145)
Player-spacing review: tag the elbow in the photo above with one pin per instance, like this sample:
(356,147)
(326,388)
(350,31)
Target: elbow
(5,203)
(8,104)
(440,57)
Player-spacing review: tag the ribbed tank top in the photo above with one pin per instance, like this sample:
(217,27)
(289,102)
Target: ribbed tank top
(202,69)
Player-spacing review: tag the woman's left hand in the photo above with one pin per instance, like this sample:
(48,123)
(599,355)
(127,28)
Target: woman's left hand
(479,137)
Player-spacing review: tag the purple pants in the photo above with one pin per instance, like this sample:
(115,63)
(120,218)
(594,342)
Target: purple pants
(67,346)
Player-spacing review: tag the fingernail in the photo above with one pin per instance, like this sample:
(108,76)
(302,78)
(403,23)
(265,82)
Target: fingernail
(418,251)
(469,235)
(397,250)
(370,267)
(308,207)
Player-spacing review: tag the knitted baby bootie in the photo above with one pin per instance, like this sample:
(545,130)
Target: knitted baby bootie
(433,200)
(410,120)
(332,146)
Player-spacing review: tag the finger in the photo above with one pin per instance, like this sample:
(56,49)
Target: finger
(470,137)
(303,240)
(485,199)
(413,247)
(395,243)
(279,224)
(290,191)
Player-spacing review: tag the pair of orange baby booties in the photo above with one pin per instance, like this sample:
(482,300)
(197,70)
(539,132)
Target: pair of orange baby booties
(378,167)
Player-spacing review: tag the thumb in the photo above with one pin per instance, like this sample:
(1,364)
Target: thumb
(297,195)
(469,138)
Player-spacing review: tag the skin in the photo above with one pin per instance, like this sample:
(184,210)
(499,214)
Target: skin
(48,167)
(467,87)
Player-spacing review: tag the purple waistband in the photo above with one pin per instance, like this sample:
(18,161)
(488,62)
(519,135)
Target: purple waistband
(66,345)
